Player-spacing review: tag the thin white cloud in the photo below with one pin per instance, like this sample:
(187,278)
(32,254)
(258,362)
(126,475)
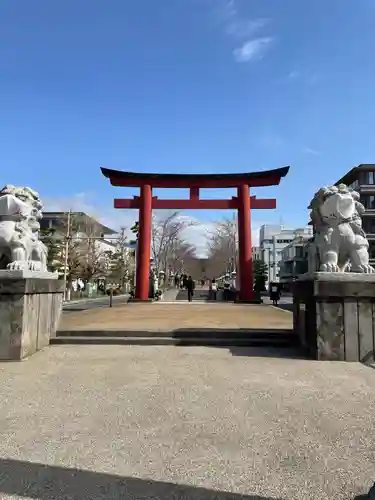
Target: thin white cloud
(310,151)
(270,140)
(305,77)
(313,79)
(242,28)
(82,202)
(294,74)
(252,49)
(227,10)
(196,234)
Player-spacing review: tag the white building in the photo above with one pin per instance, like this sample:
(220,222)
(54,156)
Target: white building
(255,252)
(273,239)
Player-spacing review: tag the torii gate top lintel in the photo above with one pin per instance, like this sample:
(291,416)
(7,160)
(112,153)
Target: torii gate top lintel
(252,179)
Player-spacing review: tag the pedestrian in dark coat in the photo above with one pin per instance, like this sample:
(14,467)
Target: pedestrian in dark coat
(190,285)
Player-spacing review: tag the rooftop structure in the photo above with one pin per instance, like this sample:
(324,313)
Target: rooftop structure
(58,219)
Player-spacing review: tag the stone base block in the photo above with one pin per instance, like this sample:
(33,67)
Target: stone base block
(30,310)
(334,316)
(24,273)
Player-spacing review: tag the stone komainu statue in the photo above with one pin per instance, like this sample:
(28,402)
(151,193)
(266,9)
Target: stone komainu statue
(340,243)
(20,247)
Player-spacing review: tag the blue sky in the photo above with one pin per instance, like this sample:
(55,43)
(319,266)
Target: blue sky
(184,86)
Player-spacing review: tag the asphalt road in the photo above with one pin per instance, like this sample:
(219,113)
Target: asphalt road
(285,302)
(85,304)
(201,294)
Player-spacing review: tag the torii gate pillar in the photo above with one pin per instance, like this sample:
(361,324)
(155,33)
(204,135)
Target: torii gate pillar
(244,245)
(144,243)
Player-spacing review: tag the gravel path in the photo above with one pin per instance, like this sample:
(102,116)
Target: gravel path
(184,423)
(160,316)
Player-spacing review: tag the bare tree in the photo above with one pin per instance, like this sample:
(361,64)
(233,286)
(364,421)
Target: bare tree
(120,262)
(222,248)
(79,248)
(183,255)
(93,256)
(168,245)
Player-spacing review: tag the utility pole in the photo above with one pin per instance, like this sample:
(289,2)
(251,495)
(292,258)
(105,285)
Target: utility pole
(67,252)
(269,266)
(274,273)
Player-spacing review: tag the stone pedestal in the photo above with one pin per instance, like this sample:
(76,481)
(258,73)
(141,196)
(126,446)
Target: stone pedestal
(30,308)
(334,316)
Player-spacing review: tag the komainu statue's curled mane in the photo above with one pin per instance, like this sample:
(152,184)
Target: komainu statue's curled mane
(340,244)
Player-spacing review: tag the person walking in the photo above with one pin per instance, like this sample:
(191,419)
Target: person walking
(213,290)
(190,285)
(274,294)
(177,281)
(226,290)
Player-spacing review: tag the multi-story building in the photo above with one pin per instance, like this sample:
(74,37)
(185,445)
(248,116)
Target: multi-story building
(255,252)
(294,259)
(80,224)
(362,180)
(273,239)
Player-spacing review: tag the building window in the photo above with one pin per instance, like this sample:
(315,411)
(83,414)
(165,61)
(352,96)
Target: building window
(284,241)
(45,224)
(369,178)
(368,224)
(368,201)
(371,249)
(299,252)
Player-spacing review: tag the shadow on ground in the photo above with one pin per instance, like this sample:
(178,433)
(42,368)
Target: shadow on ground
(269,352)
(46,482)
(84,307)
(286,307)
(255,342)
(199,295)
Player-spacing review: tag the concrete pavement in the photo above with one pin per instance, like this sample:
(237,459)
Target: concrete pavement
(193,424)
(285,303)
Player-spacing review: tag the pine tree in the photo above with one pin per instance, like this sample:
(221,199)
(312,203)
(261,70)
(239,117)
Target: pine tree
(260,275)
(53,242)
(135,230)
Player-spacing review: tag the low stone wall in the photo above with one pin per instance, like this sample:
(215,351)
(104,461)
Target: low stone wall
(334,316)
(30,310)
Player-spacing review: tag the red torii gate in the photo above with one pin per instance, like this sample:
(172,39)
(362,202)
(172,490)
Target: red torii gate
(243,202)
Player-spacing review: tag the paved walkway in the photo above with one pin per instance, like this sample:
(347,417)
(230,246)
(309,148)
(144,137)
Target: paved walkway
(200,294)
(170,295)
(194,424)
(159,316)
